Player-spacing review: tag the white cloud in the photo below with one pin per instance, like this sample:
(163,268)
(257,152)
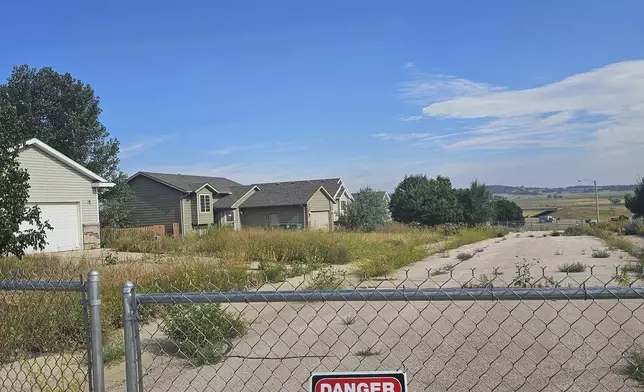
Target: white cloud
(402,136)
(232,149)
(143,143)
(425,88)
(409,118)
(599,109)
(409,65)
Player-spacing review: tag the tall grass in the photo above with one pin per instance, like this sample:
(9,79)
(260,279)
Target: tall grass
(34,323)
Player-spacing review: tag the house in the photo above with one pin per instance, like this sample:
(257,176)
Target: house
(197,202)
(340,193)
(67,195)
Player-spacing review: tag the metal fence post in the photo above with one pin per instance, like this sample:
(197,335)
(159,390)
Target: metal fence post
(131,373)
(94,300)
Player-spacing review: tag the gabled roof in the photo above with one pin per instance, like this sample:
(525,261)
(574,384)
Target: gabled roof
(286,193)
(42,146)
(333,185)
(188,184)
(237,193)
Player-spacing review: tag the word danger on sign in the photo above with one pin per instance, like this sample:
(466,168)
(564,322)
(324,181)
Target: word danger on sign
(359,382)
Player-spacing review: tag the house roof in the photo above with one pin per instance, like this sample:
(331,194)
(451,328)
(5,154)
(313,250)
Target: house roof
(100,181)
(237,192)
(187,183)
(285,193)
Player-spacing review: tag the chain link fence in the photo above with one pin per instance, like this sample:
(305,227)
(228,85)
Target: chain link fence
(46,339)
(527,331)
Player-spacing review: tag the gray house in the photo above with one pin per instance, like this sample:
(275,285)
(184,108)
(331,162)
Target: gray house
(196,202)
(66,193)
(341,195)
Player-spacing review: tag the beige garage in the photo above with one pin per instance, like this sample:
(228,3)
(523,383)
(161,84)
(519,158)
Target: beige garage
(67,194)
(319,220)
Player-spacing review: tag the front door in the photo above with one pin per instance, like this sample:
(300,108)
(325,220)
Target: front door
(274,219)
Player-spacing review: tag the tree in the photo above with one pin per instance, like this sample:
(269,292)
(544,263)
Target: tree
(425,201)
(507,210)
(635,203)
(14,192)
(64,113)
(367,212)
(115,208)
(477,204)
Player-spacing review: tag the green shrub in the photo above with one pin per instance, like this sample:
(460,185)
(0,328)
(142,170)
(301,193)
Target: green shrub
(572,267)
(113,347)
(325,279)
(600,253)
(634,227)
(635,364)
(442,270)
(462,256)
(575,230)
(636,268)
(273,272)
(39,323)
(203,332)
(555,233)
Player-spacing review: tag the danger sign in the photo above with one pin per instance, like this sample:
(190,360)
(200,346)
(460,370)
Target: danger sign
(359,382)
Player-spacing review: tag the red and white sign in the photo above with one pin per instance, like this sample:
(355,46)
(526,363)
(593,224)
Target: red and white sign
(359,382)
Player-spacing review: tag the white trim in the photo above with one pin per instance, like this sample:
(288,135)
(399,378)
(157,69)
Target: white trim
(98,213)
(342,186)
(80,225)
(324,191)
(242,199)
(207,185)
(199,204)
(103,185)
(63,158)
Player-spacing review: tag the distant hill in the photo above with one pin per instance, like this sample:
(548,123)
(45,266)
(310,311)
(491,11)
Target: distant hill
(525,190)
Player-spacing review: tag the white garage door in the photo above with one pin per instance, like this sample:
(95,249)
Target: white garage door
(65,220)
(320,220)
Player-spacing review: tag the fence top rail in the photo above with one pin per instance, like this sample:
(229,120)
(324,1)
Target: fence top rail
(27,285)
(447,294)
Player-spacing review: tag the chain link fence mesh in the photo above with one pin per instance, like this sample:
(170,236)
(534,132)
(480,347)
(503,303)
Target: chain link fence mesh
(43,334)
(578,331)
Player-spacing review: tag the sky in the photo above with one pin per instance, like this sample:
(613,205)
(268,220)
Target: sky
(506,92)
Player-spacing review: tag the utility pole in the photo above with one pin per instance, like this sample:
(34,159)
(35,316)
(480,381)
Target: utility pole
(596,200)
(596,196)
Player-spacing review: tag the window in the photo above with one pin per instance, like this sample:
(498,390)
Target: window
(230,217)
(204,202)
(343,204)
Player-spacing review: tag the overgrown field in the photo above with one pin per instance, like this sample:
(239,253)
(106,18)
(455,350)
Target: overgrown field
(36,323)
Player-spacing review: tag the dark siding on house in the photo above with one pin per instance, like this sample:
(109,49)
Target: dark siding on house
(259,216)
(154,203)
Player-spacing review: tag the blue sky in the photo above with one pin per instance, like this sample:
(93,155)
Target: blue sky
(506,92)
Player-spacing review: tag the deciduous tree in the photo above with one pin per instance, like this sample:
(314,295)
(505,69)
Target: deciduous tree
(14,192)
(507,210)
(477,204)
(367,212)
(418,199)
(635,203)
